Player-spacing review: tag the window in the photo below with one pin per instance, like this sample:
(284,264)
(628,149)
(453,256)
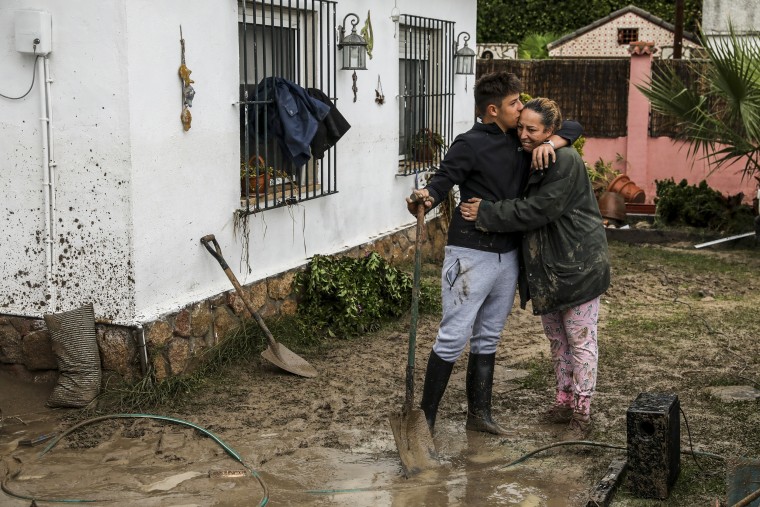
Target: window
(627,35)
(277,42)
(426,97)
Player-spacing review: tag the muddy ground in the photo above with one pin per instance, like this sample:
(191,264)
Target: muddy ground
(674,320)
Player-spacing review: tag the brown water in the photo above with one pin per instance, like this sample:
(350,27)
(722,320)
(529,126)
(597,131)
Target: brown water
(322,441)
(152,463)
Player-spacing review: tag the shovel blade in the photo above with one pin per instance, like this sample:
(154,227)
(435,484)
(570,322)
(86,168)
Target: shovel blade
(282,357)
(413,441)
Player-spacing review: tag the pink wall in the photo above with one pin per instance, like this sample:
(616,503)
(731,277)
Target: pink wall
(647,159)
(668,159)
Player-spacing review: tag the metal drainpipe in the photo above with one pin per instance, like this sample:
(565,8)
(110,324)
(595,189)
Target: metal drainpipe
(47,185)
(143,349)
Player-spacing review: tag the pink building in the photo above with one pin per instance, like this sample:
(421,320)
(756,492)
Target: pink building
(647,159)
(643,158)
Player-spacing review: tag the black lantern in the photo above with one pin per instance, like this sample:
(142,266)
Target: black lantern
(464,58)
(354,46)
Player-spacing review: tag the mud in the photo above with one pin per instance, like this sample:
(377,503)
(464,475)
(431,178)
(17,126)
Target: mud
(322,441)
(327,440)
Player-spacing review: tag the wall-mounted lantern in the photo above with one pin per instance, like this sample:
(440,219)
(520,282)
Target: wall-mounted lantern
(464,57)
(353,46)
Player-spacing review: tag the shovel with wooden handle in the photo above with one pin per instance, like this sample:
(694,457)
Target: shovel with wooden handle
(410,429)
(276,353)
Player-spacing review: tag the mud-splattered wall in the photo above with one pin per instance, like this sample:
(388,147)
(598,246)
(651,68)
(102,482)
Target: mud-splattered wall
(89,221)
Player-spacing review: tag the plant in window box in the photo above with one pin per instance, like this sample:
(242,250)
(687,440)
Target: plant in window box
(427,145)
(261,177)
(257,173)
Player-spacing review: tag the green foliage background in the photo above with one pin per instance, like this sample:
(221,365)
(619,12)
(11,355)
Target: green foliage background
(511,21)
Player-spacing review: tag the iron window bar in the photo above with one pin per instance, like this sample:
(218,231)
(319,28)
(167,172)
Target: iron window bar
(291,39)
(426,92)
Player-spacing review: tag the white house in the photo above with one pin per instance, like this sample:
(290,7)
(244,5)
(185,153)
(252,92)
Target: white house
(610,36)
(105,195)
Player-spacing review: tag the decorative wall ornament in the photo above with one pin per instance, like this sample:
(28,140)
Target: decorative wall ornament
(379,97)
(188,92)
(366,32)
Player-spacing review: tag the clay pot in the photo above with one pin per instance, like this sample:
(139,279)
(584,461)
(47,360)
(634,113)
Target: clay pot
(628,189)
(255,183)
(612,206)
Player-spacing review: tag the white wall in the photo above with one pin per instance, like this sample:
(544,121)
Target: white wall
(743,14)
(152,190)
(92,229)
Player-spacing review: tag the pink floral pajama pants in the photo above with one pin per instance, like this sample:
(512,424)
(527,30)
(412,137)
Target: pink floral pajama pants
(575,353)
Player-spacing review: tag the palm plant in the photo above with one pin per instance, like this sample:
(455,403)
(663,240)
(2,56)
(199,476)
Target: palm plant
(723,121)
(533,46)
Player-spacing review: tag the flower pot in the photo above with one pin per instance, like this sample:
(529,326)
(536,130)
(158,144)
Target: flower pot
(612,206)
(425,154)
(255,184)
(628,189)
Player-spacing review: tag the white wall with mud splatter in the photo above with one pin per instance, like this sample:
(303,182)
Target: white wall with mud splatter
(134,193)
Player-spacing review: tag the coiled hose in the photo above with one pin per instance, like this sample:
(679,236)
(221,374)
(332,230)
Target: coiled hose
(222,444)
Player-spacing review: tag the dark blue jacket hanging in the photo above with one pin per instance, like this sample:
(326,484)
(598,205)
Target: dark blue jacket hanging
(291,116)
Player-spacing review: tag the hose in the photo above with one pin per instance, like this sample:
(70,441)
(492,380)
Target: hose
(558,444)
(600,444)
(264,501)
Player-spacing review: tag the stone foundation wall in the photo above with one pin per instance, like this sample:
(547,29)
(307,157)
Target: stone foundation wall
(175,339)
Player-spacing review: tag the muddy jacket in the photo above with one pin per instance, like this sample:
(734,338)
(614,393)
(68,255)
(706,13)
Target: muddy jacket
(489,163)
(564,259)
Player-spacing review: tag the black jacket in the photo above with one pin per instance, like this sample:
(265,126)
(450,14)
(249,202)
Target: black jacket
(564,259)
(489,163)
(330,129)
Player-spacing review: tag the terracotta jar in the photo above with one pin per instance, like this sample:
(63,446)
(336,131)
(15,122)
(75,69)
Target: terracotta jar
(628,189)
(612,206)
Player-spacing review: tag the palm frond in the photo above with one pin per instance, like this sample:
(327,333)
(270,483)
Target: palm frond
(719,115)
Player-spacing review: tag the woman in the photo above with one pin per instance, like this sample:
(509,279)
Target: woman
(564,261)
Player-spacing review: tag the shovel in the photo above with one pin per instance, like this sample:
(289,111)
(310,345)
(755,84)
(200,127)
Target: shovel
(276,353)
(410,428)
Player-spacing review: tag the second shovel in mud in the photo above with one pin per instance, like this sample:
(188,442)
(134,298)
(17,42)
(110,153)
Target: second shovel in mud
(410,429)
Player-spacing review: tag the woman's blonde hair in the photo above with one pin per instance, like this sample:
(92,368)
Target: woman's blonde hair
(551,116)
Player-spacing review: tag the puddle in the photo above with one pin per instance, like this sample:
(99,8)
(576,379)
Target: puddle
(471,473)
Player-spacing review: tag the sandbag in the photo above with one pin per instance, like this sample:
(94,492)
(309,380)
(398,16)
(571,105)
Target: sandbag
(76,351)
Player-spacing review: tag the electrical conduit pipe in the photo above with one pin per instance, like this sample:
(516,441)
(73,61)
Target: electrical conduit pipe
(48,189)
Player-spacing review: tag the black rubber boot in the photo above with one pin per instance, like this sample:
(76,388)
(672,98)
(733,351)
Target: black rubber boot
(436,379)
(479,388)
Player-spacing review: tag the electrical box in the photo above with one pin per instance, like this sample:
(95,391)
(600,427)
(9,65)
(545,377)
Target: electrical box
(34,32)
(654,444)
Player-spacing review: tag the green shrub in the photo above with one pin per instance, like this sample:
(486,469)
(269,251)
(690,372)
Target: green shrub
(348,296)
(700,206)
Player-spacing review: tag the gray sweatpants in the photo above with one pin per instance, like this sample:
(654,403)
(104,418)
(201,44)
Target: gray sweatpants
(478,290)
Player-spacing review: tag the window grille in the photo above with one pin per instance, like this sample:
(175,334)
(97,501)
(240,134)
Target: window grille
(426,92)
(627,35)
(294,40)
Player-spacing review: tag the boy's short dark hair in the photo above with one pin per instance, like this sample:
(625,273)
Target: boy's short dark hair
(492,88)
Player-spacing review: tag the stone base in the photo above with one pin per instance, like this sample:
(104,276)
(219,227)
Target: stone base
(175,340)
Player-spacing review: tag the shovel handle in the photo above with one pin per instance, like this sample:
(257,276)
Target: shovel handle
(415,306)
(216,251)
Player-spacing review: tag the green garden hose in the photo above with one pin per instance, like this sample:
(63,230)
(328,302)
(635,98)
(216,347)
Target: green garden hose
(216,439)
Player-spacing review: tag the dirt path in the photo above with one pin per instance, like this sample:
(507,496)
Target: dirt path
(327,441)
